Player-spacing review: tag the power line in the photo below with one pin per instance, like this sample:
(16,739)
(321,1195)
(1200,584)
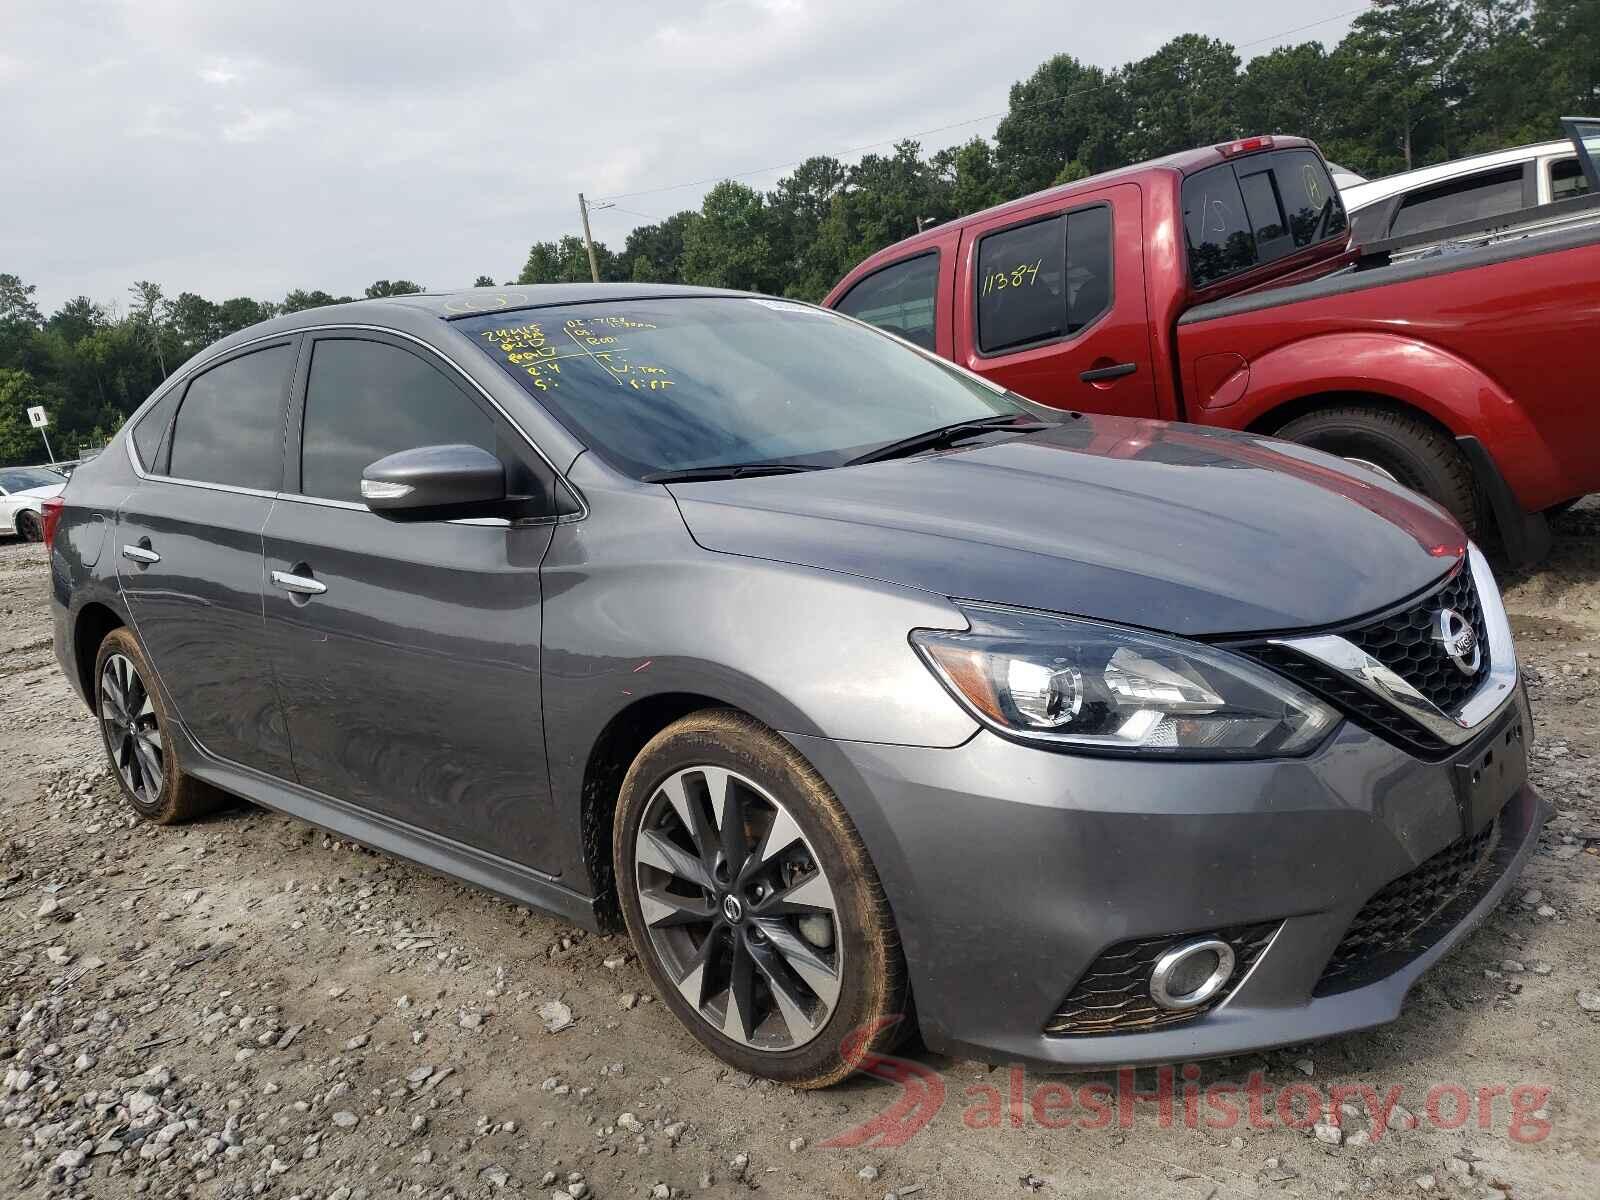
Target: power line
(851,152)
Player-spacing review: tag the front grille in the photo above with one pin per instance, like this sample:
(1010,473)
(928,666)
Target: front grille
(1393,926)
(1402,641)
(1113,996)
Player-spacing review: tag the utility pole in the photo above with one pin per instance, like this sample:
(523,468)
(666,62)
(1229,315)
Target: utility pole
(588,241)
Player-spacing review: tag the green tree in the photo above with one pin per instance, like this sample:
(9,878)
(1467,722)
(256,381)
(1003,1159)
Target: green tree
(1182,96)
(392,287)
(301,299)
(654,253)
(20,443)
(483,281)
(731,245)
(1566,34)
(1400,57)
(1293,89)
(567,261)
(1065,110)
(76,319)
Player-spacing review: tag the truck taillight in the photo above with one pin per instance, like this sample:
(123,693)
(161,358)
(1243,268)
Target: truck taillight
(1244,146)
(50,514)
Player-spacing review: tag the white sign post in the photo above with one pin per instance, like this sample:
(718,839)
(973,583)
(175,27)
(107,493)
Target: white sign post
(38,418)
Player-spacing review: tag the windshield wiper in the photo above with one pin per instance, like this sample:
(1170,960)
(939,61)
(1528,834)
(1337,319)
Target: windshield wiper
(948,435)
(727,471)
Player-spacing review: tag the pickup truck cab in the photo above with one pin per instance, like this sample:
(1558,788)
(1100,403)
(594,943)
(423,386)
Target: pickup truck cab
(1222,286)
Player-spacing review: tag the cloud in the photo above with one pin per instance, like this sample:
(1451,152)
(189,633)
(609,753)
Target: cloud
(251,147)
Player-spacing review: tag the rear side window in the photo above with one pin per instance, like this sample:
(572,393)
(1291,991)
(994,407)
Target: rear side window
(1258,209)
(366,400)
(1221,241)
(1478,197)
(230,427)
(150,433)
(1566,179)
(899,299)
(1044,280)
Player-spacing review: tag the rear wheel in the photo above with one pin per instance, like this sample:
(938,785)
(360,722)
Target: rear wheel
(28,527)
(135,729)
(1398,446)
(753,903)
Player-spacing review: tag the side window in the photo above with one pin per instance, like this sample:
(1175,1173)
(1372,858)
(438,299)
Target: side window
(1215,226)
(230,426)
(1022,285)
(365,400)
(899,299)
(1566,179)
(1478,197)
(1088,265)
(1310,201)
(149,434)
(1265,210)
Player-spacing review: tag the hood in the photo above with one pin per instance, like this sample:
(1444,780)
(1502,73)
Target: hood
(1165,526)
(42,492)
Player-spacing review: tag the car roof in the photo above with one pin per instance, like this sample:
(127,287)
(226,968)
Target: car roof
(411,313)
(1374,190)
(1184,162)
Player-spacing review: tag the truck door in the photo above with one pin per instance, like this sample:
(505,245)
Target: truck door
(1051,303)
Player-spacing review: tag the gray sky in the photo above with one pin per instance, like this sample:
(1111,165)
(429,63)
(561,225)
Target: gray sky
(229,147)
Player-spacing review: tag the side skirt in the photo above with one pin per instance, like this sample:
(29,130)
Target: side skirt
(514,881)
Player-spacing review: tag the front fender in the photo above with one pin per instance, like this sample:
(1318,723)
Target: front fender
(1411,372)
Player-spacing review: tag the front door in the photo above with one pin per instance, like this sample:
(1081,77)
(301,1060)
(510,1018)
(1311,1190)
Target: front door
(1052,303)
(407,654)
(188,541)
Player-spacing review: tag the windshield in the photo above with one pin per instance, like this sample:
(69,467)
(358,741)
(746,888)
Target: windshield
(657,386)
(20,479)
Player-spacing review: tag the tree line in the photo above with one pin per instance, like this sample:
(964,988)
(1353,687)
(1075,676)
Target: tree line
(1413,82)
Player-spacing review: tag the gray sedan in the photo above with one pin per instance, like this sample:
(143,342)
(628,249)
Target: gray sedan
(850,684)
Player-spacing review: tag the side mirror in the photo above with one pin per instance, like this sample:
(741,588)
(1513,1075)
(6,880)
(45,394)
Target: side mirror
(434,483)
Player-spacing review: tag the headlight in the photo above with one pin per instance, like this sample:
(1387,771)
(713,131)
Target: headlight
(1099,687)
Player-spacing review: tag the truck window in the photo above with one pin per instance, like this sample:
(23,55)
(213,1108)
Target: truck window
(1477,197)
(1258,209)
(1310,200)
(1215,225)
(1044,280)
(1566,179)
(898,299)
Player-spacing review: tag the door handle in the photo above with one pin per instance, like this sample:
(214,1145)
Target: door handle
(140,554)
(300,585)
(1101,374)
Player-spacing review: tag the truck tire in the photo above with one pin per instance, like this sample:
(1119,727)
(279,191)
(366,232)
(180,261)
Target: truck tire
(719,823)
(1408,449)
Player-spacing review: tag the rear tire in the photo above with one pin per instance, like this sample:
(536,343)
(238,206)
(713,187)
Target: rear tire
(799,991)
(28,527)
(138,734)
(1415,453)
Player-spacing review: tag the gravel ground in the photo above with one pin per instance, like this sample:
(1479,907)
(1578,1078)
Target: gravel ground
(246,1006)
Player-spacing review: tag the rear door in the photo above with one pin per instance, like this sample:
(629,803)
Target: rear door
(1051,304)
(189,550)
(408,654)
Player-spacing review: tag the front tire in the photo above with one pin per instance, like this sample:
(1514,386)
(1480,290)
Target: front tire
(1407,449)
(28,527)
(137,732)
(753,903)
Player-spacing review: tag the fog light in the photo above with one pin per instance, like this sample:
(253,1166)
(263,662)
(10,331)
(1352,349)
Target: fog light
(1191,973)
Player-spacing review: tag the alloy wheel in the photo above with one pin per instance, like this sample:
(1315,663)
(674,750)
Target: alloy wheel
(738,909)
(131,729)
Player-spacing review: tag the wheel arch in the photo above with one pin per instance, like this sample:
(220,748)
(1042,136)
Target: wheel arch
(1274,419)
(89,628)
(613,752)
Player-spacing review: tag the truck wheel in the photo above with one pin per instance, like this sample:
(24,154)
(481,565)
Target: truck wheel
(1401,447)
(752,901)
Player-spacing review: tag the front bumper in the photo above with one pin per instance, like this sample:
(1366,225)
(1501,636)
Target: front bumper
(1010,869)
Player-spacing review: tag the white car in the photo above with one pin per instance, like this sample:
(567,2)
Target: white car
(1468,189)
(23,491)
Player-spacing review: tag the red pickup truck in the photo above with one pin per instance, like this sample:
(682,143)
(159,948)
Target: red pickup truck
(1221,286)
